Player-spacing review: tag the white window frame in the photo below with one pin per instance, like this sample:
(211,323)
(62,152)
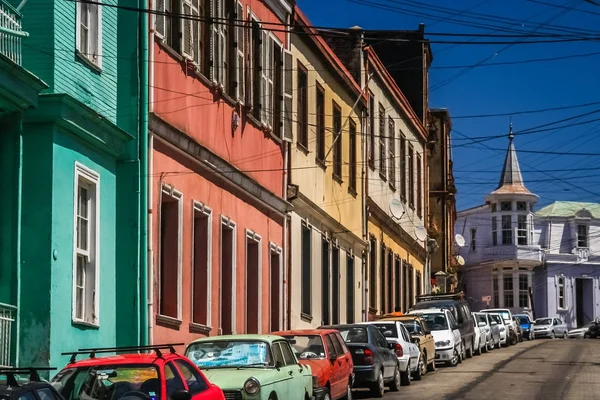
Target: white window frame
(252,236)
(97,60)
(275,249)
(587,236)
(561,282)
(522,233)
(208,213)
(177,195)
(229,224)
(90,178)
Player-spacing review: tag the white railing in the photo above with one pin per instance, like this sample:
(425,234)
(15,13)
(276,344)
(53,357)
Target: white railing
(7,318)
(10,32)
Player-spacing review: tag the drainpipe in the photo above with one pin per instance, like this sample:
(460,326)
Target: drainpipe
(150,262)
(143,154)
(364,210)
(287,270)
(19,211)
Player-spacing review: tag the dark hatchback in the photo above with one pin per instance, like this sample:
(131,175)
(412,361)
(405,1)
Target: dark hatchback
(375,364)
(14,387)
(457,305)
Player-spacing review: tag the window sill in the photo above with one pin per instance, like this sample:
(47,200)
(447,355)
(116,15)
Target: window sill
(257,124)
(168,322)
(306,317)
(352,191)
(337,178)
(172,52)
(321,163)
(302,148)
(87,62)
(199,328)
(382,176)
(84,325)
(392,186)
(371,165)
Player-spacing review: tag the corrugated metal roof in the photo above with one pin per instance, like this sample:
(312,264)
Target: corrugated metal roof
(569,209)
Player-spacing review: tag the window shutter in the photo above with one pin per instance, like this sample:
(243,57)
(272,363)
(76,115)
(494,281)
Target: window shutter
(186,31)
(270,73)
(288,90)
(264,49)
(248,46)
(212,39)
(196,48)
(240,38)
(159,21)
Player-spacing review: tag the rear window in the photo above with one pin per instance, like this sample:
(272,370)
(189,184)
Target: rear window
(354,334)
(387,330)
(307,346)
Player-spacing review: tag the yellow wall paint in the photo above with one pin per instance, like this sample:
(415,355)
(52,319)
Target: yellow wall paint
(315,182)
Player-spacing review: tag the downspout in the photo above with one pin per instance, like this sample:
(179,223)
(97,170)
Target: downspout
(287,168)
(18,255)
(143,154)
(365,226)
(150,266)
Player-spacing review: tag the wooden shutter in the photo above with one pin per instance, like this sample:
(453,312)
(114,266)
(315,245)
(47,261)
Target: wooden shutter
(240,38)
(288,90)
(159,22)
(196,26)
(263,68)
(187,36)
(212,39)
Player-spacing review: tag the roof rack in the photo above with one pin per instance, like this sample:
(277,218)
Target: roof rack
(93,351)
(10,373)
(441,296)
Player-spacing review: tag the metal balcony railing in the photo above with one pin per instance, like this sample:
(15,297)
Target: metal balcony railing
(7,319)
(10,32)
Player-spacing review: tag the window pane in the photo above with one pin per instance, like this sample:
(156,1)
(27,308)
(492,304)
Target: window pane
(174,382)
(193,379)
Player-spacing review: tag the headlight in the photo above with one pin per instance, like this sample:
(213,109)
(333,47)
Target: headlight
(443,343)
(251,386)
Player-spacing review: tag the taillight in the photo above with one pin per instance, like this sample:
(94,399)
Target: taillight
(398,350)
(367,356)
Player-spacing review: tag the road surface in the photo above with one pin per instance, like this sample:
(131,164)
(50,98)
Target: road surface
(542,369)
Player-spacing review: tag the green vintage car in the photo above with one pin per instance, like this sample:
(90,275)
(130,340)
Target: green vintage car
(252,367)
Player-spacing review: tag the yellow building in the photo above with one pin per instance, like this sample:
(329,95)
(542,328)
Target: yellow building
(325,174)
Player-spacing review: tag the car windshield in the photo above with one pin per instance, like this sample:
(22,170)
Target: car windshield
(354,334)
(543,321)
(307,346)
(229,353)
(522,320)
(413,327)
(388,330)
(109,382)
(435,321)
(481,318)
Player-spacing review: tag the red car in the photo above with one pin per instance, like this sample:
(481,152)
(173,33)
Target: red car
(331,362)
(133,376)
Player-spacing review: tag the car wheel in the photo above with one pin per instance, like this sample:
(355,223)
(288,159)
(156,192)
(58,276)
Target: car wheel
(552,335)
(431,366)
(470,351)
(565,335)
(418,374)
(327,396)
(405,378)
(586,335)
(455,358)
(378,389)
(396,381)
(478,350)
(349,391)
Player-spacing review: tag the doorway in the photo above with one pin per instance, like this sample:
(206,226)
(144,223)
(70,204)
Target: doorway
(584,300)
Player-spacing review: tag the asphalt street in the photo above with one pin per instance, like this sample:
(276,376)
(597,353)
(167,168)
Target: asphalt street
(538,370)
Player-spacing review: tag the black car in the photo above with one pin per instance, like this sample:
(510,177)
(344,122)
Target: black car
(457,304)
(13,386)
(375,364)
(594,330)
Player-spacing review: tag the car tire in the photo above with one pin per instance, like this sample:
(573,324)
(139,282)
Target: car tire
(586,335)
(327,396)
(405,377)
(396,381)
(552,335)
(478,351)
(431,366)
(378,388)
(565,335)
(348,391)
(421,369)
(454,361)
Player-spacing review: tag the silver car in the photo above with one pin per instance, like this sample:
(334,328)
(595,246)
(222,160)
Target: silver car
(491,328)
(550,327)
(581,332)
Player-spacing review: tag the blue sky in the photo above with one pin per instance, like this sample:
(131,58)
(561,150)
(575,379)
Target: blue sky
(504,88)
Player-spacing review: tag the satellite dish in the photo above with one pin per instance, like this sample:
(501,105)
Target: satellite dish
(421,232)
(460,240)
(396,208)
(460,260)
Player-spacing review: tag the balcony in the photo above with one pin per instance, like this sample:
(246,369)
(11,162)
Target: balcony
(10,32)
(7,319)
(525,253)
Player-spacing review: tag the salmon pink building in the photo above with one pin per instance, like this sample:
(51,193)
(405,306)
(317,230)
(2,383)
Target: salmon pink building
(220,88)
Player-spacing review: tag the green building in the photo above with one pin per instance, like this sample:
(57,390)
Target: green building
(73,99)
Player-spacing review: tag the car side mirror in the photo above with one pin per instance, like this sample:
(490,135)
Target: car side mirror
(415,340)
(181,394)
(332,357)
(482,324)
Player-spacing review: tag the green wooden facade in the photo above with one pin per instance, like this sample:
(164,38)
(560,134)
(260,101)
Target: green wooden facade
(69,145)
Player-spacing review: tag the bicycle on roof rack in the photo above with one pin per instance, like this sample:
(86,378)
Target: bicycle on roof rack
(125,349)
(10,373)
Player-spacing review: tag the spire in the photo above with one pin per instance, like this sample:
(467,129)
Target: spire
(511,180)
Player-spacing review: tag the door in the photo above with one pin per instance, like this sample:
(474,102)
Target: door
(285,374)
(338,376)
(584,303)
(197,385)
(348,365)
(413,350)
(295,386)
(387,356)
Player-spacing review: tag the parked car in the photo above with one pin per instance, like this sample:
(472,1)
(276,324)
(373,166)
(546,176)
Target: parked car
(594,329)
(492,330)
(449,347)
(509,324)
(502,330)
(330,360)
(457,304)
(260,366)
(480,336)
(149,376)
(581,332)
(416,326)
(375,363)
(405,347)
(526,323)
(16,387)
(550,327)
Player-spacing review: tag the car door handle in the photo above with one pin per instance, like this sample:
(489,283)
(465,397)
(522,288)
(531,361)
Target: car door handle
(291,372)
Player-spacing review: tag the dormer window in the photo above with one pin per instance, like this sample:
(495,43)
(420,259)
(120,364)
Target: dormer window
(521,206)
(582,236)
(505,206)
